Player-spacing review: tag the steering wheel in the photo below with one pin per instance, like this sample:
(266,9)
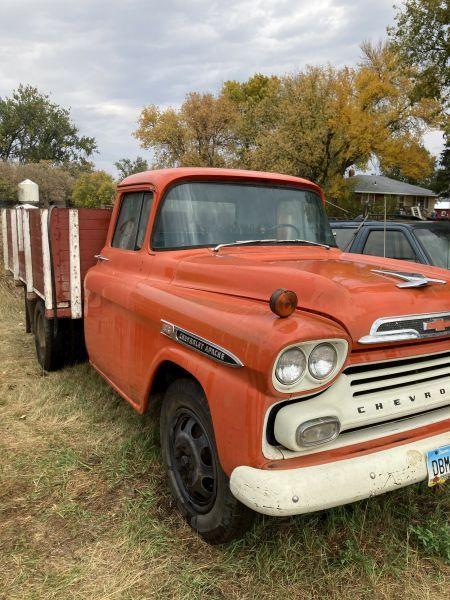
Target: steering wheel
(297,232)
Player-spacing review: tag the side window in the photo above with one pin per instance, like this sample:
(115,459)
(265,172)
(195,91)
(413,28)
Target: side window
(147,202)
(397,245)
(344,236)
(132,220)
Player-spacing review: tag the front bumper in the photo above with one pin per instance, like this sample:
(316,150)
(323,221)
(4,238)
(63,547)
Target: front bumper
(297,491)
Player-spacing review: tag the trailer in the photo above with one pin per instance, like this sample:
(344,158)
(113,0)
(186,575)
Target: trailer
(48,252)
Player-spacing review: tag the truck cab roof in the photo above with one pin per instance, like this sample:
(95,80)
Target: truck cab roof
(162,177)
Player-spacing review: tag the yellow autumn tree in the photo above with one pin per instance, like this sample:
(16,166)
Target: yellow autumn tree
(198,134)
(315,124)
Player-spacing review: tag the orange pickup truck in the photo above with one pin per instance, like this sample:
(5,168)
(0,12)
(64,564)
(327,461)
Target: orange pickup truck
(294,377)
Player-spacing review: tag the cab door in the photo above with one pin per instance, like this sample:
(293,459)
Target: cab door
(110,319)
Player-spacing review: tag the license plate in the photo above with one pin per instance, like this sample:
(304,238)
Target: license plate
(438,464)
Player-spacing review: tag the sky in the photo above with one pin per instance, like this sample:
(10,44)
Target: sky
(105,60)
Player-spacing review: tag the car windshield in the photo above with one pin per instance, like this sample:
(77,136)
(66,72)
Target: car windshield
(200,214)
(437,243)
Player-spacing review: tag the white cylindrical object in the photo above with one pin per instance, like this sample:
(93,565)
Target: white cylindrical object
(28,192)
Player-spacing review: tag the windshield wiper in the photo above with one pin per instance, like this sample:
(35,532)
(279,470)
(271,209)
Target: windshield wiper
(308,242)
(268,241)
(242,243)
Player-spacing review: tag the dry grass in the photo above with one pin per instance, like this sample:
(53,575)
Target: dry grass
(85,513)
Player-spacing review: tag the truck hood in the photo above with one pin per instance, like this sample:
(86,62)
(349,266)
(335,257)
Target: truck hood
(331,283)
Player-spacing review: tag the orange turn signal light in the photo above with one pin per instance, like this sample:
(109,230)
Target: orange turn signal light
(283,302)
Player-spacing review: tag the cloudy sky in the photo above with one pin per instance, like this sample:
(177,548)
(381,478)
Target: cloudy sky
(105,59)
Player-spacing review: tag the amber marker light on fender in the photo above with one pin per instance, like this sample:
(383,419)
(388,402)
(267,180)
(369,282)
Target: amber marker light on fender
(283,302)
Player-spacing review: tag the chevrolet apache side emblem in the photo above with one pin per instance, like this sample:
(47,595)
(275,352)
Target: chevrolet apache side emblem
(199,344)
(409,280)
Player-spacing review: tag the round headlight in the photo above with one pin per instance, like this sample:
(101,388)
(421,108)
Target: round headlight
(290,366)
(322,361)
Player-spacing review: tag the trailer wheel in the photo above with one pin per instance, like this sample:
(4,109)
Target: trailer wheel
(28,320)
(47,346)
(199,485)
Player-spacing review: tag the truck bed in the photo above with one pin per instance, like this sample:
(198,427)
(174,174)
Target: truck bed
(50,250)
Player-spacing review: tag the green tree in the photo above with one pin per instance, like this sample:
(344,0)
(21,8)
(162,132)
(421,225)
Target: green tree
(32,128)
(421,35)
(441,181)
(93,190)
(254,102)
(127,167)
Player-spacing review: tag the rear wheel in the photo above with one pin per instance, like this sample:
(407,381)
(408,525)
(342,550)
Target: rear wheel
(28,319)
(47,344)
(198,484)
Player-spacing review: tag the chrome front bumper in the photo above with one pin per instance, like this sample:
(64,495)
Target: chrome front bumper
(296,491)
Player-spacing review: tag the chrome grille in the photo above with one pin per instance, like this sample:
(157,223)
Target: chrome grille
(375,378)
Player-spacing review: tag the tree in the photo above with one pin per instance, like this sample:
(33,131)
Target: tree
(127,167)
(421,36)
(326,120)
(93,190)
(315,124)
(441,182)
(198,134)
(253,101)
(32,128)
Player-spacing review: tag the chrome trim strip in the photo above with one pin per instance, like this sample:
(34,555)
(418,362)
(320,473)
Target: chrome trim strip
(398,335)
(200,345)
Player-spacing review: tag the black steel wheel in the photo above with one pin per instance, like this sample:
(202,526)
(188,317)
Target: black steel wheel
(198,483)
(192,459)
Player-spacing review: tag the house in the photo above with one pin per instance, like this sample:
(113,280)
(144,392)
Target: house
(369,188)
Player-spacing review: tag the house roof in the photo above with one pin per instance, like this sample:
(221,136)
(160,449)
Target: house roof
(378,184)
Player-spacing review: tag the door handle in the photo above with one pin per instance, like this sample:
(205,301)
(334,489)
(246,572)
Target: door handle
(100,257)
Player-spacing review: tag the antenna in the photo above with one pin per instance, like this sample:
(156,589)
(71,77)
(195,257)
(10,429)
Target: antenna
(338,207)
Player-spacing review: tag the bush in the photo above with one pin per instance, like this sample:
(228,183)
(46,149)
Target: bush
(93,190)
(55,183)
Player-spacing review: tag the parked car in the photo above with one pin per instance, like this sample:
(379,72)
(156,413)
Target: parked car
(293,377)
(425,242)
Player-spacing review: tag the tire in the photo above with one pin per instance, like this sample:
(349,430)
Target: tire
(198,484)
(73,331)
(48,348)
(28,320)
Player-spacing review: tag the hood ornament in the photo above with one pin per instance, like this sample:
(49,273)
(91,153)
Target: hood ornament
(410,280)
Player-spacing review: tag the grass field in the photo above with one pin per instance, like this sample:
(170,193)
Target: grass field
(85,512)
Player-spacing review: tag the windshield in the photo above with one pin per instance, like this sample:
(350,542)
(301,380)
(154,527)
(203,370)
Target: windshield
(437,244)
(207,214)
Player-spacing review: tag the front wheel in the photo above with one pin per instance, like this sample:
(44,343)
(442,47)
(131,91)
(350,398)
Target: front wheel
(199,485)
